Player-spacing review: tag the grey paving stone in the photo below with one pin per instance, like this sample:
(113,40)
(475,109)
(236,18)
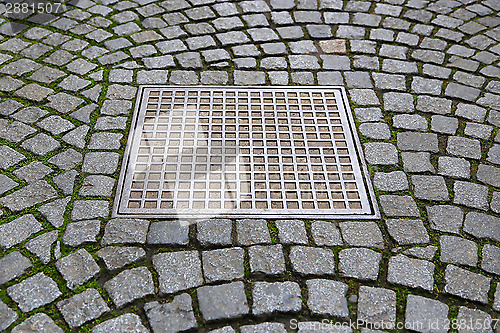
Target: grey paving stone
(303,78)
(390,181)
(491,259)
(376,131)
(105,141)
(445,218)
(174,316)
(399,102)
(464,147)
(426,315)
(223,264)
(29,115)
(251,232)
(432,104)
(445,125)
(41,144)
(389,81)
(115,257)
(168,232)
(54,211)
(276,297)
(495,202)
(41,245)
(326,233)
(414,141)
(432,188)
(39,322)
(496,304)
(407,232)
(214,232)
(178,270)
(12,266)
(385,310)
(82,307)
(291,232)
(365,234)
(97,186)
(399,66)
(222,301)
(278,78)
(381,153)
(458,251)
(225,329)
(130,285)
(327,297)
(417,162)
(474,320)
(364,97)
(267,260)
(9,157)
(15,131)
(128,322)
(462,92)
(274,48)
(249,78)
(471,112)
(360,263)
(6,184)
(89,209)
(480,131)
(34,292)
(309,260)
(214,78)
(303,62)
(77,268)
(290,33)
(100,162)
(424,252)
(466,284)
(330,78)
(18,230)
(7,316)
(454,167)
(110,123)
(263,327)
(471,195)
(410,121)
(482,225)
(494,154)
(183,77)
(399,205)
(436,71)
(31,172)
(428,56)
(409,272)
(77,233)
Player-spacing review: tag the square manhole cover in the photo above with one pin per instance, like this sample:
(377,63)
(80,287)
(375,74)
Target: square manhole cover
(275,152)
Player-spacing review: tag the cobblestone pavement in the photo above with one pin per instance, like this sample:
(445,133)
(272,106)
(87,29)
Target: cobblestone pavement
(423,80)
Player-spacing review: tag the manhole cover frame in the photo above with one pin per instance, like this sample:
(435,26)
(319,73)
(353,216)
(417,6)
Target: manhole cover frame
(343,102)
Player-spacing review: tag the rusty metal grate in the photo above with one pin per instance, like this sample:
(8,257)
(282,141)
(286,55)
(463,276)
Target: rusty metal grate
(197,152)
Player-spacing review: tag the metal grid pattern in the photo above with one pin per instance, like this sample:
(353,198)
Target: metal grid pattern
(242,151)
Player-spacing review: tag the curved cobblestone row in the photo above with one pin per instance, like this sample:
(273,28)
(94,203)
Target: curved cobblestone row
(423,81)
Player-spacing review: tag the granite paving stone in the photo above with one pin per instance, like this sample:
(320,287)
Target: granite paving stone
(377,305)
(41,245)
(18,230)
(399,205)
(471,195)
(34,292)
(406,232)
(276,297)
(178,270)
(490,259)
(39,322)
(223,264)
(128,322)
(12,266)
(359,263)
(174,316)
(267,260)
(325,233)
(168,232)
(445,218)
(310,260)
(130,285)
(223,301)
(458,251)
(77,268)
(327,297)
(426,315)
(80,232)
(409,272)
(466,284)
(115,257)
(363,234)
(82,307)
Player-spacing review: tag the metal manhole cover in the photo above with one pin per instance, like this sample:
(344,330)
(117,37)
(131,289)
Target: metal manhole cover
(275,152)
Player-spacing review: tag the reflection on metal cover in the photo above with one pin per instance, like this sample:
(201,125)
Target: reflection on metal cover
(197,152)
